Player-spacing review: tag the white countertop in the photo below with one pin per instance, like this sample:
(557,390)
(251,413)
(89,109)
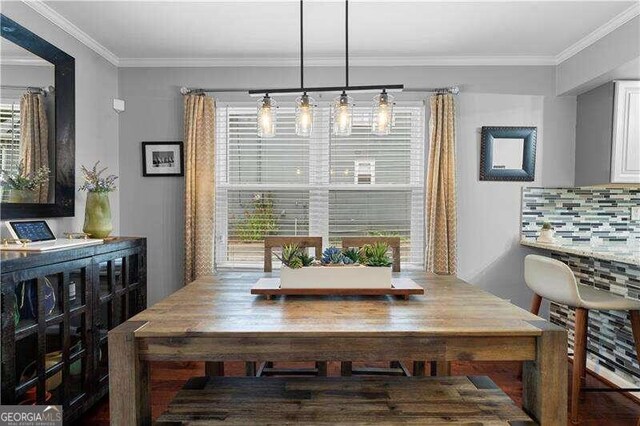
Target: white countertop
(623,252)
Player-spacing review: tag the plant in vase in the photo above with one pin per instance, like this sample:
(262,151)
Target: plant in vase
(546,233)
(97,214)
(23,186)
(342,268)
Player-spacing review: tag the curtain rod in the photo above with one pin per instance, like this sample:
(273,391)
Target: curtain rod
(454,90)
(42,90)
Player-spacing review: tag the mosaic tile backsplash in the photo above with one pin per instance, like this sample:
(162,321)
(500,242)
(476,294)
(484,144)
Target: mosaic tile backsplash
(610,341)
(583,215)
(580,214)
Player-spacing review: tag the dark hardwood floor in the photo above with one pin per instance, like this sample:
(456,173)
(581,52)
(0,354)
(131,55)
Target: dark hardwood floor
(601,409)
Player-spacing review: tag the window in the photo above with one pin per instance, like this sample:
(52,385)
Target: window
(360,185)
(9,136)
(9,139)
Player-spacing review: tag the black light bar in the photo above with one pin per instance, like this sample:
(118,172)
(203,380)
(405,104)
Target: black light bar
(377,87)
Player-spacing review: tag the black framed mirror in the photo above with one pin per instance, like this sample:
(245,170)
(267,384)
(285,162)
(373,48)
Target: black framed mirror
(37,119)
(508,153)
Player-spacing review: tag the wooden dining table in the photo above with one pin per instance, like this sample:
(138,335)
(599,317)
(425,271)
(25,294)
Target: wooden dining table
(216,319)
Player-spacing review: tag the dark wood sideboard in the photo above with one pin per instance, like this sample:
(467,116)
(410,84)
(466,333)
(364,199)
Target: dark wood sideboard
(57,308)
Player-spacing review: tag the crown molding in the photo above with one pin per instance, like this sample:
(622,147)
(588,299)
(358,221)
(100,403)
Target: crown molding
(600,32)
(71,29)
(57,19)
(339,61)
(25,61)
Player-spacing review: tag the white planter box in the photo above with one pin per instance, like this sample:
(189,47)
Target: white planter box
(336,277)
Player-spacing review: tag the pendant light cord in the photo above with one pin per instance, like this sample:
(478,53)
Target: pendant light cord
(346,42)
(301,45)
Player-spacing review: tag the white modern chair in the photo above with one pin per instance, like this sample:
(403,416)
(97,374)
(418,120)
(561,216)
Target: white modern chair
(554,281)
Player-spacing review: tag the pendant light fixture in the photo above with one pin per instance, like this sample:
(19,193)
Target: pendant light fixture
(341,108)
(304,103)
(304,115)
(267,117)
(382,114)
(342,112)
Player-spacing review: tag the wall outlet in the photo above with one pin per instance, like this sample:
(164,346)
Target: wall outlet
(635,213)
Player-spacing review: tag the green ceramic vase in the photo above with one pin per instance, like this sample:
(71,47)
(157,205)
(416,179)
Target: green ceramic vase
(97,215)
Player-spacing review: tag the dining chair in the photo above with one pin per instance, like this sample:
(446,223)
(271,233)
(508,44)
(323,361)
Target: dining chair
(267,368)
(553,280)
(396,368)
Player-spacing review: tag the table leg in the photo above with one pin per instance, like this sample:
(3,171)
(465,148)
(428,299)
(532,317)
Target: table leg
(544,395)
(129,401)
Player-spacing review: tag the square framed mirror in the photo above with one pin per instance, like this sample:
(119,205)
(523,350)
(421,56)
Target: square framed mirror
(37,120)
(508,153)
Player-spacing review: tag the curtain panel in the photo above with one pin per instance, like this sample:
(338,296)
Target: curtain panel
(199,140)
(34,139)
(441,187)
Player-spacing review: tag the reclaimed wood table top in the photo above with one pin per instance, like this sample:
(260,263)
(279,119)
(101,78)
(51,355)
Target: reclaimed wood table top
(223,306)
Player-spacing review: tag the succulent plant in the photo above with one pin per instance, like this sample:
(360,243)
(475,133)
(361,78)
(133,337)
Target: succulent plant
(353,254)
(295,263)
(376,254)
(547,225)
(305,258)
(294,257)
(332,256)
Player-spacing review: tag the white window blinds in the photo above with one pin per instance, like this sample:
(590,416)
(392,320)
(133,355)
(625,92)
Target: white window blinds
(9,136)
(361,185)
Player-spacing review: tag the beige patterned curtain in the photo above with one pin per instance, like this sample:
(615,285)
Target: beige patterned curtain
(34,138)
(199,124)
(441,187)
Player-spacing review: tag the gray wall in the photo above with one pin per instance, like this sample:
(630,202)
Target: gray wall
(96,121)
(594,129)
(489,213)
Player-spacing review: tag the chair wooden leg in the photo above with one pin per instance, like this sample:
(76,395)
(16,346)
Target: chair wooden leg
(535,304)
(442,368)
(579,350)
(250,368)
(635,327)
(322,368)
(346,367)
(214,369)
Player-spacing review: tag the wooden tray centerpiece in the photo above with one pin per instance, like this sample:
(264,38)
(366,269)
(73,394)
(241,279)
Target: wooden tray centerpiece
(365,271)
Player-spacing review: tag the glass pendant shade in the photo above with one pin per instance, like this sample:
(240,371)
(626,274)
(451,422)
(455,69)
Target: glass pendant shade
(267,117)
(382,114)
(304,115)
(342,115)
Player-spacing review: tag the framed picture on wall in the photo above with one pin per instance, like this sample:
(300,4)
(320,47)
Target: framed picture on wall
(162,159)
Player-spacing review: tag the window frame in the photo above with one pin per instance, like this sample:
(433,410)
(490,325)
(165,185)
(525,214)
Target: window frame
(319,183)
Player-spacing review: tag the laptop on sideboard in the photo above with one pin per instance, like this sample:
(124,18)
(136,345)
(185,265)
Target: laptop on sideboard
(40,237)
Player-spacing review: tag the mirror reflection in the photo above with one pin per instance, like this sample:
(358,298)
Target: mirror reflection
(27,126)
(507,153)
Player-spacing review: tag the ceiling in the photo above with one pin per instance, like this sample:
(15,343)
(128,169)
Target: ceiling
(135,33)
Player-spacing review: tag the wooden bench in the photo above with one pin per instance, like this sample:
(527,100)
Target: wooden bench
(343,400)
